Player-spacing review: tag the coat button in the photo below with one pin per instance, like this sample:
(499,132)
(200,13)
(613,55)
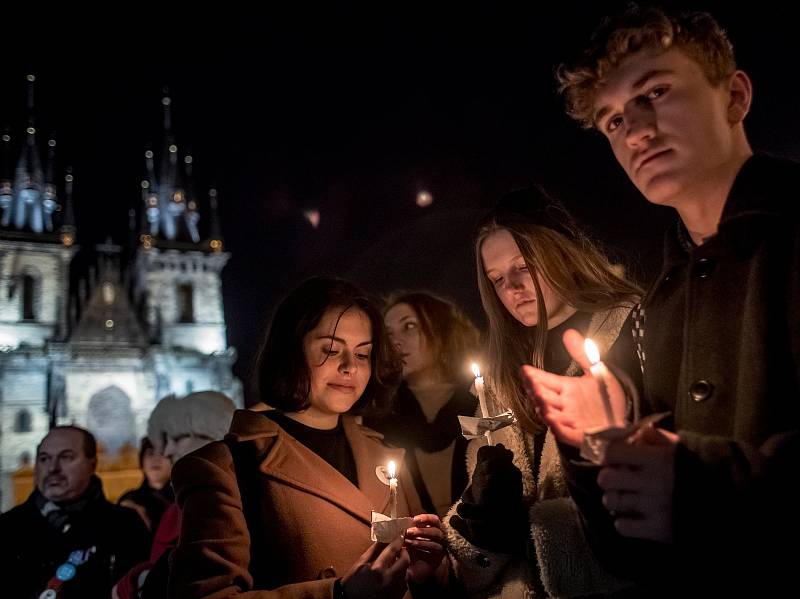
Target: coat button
(700,390)
(483,561)
(704,268)
(329,572)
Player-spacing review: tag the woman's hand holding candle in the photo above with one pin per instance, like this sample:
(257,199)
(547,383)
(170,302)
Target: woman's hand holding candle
(426,544)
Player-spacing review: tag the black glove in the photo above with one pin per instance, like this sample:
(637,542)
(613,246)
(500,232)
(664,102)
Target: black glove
(491,514)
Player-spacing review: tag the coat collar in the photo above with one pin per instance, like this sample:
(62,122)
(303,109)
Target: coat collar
(765,186)
(761,196)
(285,459)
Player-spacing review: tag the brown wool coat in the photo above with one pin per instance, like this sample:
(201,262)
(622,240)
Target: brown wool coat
(306,524)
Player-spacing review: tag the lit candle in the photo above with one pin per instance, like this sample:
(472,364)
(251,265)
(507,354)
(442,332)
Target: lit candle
(599,372)
(392,470)
(479,389)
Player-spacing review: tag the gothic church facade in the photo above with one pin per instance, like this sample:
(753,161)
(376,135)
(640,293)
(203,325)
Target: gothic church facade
(99,351)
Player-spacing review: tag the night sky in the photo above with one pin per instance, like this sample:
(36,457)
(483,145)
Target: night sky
(352,111)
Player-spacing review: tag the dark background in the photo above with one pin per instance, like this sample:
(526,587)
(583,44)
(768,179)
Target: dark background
(351,110)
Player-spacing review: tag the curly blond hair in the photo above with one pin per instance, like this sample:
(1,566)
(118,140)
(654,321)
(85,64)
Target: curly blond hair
(696,33)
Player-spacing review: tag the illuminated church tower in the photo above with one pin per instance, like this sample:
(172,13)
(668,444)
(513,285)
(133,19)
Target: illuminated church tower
(177,274)
(37,234)
(100,349)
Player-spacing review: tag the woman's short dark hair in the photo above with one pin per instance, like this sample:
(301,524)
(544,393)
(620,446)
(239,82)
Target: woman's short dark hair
(283,377)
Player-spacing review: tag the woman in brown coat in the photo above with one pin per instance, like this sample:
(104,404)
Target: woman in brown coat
(282,507)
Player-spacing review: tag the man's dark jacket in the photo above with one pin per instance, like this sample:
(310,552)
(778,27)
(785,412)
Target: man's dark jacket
(31,549)
(721,345)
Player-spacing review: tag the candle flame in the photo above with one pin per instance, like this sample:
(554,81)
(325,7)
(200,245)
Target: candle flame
(591,351)
(392,469)
(475,370)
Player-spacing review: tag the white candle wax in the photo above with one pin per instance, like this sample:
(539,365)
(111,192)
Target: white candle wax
(392,470)
(481,392)
(599,372)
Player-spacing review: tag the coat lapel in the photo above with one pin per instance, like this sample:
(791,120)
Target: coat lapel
(287,460)
(371,454)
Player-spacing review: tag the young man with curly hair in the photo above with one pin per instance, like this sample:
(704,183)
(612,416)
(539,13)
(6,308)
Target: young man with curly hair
(707,499)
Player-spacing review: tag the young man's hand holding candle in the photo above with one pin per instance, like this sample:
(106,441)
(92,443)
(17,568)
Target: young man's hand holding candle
(637,476)
(573,405)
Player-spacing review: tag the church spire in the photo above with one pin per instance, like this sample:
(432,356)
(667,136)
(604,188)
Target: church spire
(166,102)
(151,210)
(192,215)
(171,197)
(215,243)
(29,198)
(171,210)
(31,80)
(6,183)
(28,177)
(8,171)
(50,196)
(67,230)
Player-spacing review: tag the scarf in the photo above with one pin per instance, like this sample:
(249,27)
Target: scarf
(61,515)
(407,426)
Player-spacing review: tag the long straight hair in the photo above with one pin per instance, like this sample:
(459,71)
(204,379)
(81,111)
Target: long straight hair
(575,269)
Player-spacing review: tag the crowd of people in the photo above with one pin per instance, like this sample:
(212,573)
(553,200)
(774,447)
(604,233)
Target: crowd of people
(279,501)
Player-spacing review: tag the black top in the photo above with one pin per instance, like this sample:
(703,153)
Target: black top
(406,426)
(622,353)
(556,358)
(720,336)
(154,501)
(331,445)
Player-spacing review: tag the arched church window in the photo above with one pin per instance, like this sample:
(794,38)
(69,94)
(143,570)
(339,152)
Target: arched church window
(185,303)
(28,297)
(22,422)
